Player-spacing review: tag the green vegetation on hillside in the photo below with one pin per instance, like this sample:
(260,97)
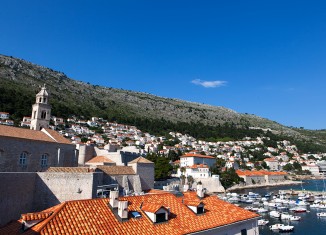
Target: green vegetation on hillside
(21,80)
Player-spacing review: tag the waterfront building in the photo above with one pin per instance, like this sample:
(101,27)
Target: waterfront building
(262,177)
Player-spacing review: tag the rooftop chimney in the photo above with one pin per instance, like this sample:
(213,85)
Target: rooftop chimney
(114,199)
(200,191)
(123,209)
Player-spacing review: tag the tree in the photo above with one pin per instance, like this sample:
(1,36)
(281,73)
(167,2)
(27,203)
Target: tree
(229,178)
(264,165)
(288,167)
(163,168)
(190,180)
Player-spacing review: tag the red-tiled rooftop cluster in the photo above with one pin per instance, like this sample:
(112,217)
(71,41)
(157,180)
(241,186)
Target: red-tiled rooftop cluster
(256,173)
(94,216)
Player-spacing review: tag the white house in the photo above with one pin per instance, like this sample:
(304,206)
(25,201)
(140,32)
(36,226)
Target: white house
(4,115)
(272,163)
(191,159)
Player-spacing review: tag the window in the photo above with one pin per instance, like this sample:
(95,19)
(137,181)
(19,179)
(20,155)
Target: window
(23,159)
(160,217)
(44,160)
(243,231)
(40,100)
(200,210)
(44,100)
(43,115)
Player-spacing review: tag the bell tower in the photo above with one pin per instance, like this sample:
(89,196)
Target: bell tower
(41,111)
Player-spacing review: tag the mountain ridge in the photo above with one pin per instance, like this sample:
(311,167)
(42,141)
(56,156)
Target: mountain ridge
(73,97)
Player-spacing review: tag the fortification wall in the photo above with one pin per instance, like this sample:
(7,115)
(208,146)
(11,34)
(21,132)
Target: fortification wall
(53,188)
(16,195)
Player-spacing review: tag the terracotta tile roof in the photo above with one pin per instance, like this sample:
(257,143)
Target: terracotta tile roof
(151,207)
(141,160)
(59,138)
(156,191)
(69,169)
(35,216)
(261,173)
(117,170)
(22,133)
(192,202)
(100,159)
(270,160)
(197,155)
(95,217)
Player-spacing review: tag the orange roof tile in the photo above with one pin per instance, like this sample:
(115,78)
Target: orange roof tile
(151,207)
(35,216)
(117,170)
(141,160)
(261,173)
(100,159)
(22,133)
(69,169)
(197,155)
(95,217)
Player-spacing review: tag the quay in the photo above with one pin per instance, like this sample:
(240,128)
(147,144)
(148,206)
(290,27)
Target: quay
(297,192)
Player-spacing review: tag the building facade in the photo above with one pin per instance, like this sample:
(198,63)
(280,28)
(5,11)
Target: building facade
(41,111)
(25,150)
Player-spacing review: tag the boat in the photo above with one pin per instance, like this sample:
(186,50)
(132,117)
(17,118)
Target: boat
(275,214)
(302,203)
(262,222)
(295,218)
(322,206)
(298,209)
(262,210)
(281,227)
(248,208)
(275,226)
(321,214)
(285,216)
(315,205)
(282,208)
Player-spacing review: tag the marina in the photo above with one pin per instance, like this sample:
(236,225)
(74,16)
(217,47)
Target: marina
(292,209)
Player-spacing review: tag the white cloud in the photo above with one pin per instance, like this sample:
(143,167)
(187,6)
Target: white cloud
(208,84)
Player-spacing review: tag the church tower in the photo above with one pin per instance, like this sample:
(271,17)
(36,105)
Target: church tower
(41,111)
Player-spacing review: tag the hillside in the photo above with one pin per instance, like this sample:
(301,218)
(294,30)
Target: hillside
(21,80)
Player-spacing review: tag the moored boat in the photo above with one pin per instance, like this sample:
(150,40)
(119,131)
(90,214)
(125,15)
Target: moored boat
(281,227)
(321,214)
(298,209)
(275,214)
(262,222)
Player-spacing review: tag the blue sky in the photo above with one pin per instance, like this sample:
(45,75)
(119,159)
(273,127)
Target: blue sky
(260,57)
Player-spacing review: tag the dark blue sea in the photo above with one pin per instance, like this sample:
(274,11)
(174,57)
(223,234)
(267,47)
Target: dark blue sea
(309,224)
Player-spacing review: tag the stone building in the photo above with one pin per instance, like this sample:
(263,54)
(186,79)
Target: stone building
(41,111)
(35,149)
(23,192)
(25,150)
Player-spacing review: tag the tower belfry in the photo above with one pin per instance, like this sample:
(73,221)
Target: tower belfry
(41,111)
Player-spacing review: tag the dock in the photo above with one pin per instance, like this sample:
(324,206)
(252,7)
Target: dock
(297,192)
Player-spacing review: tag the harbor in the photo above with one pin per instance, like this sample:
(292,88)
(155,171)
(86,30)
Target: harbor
(290,209)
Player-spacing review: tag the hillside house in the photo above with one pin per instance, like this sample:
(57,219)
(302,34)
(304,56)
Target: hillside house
(4,115)
(272,163)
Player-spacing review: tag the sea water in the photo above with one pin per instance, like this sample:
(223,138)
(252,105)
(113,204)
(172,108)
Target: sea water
(309,224)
